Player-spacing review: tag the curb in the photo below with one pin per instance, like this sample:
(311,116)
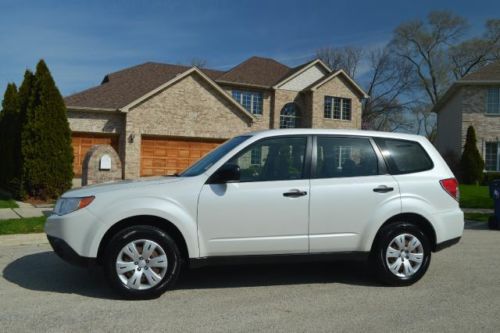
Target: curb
(23,239)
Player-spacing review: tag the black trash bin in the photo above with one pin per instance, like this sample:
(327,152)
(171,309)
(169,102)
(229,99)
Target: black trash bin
(494,221)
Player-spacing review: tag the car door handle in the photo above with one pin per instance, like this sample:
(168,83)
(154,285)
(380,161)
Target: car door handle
(383,189)
(294,193)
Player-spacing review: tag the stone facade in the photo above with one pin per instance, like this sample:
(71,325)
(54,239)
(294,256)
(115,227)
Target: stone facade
(92,172)
(96,121)
(283,97)
(189,108)
(337,87)
(466,107)
(192,108)
(474,113)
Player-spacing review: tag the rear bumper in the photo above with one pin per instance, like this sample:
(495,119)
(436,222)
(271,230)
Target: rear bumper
(449,226)
(445,244)
(65,252)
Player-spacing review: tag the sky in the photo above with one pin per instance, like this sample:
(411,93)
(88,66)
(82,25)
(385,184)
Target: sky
(82,41)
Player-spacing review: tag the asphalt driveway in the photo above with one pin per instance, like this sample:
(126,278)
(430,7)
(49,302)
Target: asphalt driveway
(461,292)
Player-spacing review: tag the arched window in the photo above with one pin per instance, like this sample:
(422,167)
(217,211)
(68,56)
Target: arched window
(289,116)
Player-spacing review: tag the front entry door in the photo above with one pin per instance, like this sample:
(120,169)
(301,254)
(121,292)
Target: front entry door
(266,212)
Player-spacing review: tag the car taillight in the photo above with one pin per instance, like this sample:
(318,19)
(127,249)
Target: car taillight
(450,185)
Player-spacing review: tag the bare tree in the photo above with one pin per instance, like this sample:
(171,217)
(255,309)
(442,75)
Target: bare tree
(475,53)
(347,58)
(425,45)
(199,62)
(390,78)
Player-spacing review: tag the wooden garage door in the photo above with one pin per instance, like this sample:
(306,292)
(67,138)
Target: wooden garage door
(166,156)
(83,141)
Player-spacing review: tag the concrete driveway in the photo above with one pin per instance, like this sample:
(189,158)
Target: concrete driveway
(460,293)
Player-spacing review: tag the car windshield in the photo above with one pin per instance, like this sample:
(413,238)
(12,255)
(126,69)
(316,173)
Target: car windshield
(211,158)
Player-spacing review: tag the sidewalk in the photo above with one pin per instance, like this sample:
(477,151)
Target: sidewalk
(23,239)
(25,210)
(478,210)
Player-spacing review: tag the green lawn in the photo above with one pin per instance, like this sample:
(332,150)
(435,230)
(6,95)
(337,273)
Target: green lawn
(22,226)
(480,217)
(6,200)
(473,196)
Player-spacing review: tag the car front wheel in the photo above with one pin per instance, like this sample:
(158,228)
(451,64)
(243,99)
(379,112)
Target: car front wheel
(142,262)
(402,254)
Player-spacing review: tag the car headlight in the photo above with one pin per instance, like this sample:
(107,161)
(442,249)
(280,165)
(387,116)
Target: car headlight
(67,205)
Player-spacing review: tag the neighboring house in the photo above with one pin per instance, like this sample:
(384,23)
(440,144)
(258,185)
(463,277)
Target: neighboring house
(161,118)
(473,100)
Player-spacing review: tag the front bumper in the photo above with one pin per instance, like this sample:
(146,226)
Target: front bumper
(65,252)
(78,230)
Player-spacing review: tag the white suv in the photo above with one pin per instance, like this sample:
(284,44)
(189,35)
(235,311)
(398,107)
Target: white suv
(296,194)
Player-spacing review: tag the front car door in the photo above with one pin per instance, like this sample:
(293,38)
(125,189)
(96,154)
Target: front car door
(349,187)
(266,211)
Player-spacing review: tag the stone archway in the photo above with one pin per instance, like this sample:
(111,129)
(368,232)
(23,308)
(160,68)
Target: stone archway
(101,164)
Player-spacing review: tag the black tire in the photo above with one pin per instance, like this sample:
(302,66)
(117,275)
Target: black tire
(378,256)
(140,232)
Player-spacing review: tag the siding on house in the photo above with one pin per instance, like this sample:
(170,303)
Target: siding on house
(449,122)
(305,79)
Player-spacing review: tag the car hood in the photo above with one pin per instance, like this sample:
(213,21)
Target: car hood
(120,185)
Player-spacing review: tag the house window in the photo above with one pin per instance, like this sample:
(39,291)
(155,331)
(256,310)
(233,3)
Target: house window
(493,106)
(338,108)
(492,156)
(252,101)
(256,156)
(289,116)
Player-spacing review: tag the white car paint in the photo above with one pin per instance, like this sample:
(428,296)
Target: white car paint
(339,214)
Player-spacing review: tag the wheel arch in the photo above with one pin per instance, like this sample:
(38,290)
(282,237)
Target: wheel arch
(414,218)
(150,220)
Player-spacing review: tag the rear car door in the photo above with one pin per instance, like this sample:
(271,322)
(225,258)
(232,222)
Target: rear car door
(349,186)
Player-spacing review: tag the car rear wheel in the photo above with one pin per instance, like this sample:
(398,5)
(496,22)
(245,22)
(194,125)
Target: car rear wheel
(402,254)
(142,262)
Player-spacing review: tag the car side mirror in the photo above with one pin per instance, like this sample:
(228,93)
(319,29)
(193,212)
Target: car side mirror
(228,173)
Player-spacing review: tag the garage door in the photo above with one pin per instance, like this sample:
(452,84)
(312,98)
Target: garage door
(83,141)
(166,156)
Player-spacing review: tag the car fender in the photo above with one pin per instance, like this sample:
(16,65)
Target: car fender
(409,204)
(153,206)
(384,212)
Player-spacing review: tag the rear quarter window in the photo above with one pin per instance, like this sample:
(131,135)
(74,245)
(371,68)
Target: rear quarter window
(404,156)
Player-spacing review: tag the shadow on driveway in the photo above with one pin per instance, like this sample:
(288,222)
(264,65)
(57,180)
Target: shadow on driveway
(46,272)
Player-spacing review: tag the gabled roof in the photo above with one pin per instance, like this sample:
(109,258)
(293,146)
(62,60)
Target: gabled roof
(296,71)
(489,74)
(121,88)
(332,75)
(205,77)
(257,71)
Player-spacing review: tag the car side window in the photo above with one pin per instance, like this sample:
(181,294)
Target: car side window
(345,157)
(280,158)
(404,156)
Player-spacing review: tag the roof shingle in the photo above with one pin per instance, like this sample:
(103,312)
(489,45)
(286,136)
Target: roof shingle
(256,71)
(120,88)
(489,72)
(123,87)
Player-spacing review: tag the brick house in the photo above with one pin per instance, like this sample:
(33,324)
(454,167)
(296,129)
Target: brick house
(160,118)
(473,100)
